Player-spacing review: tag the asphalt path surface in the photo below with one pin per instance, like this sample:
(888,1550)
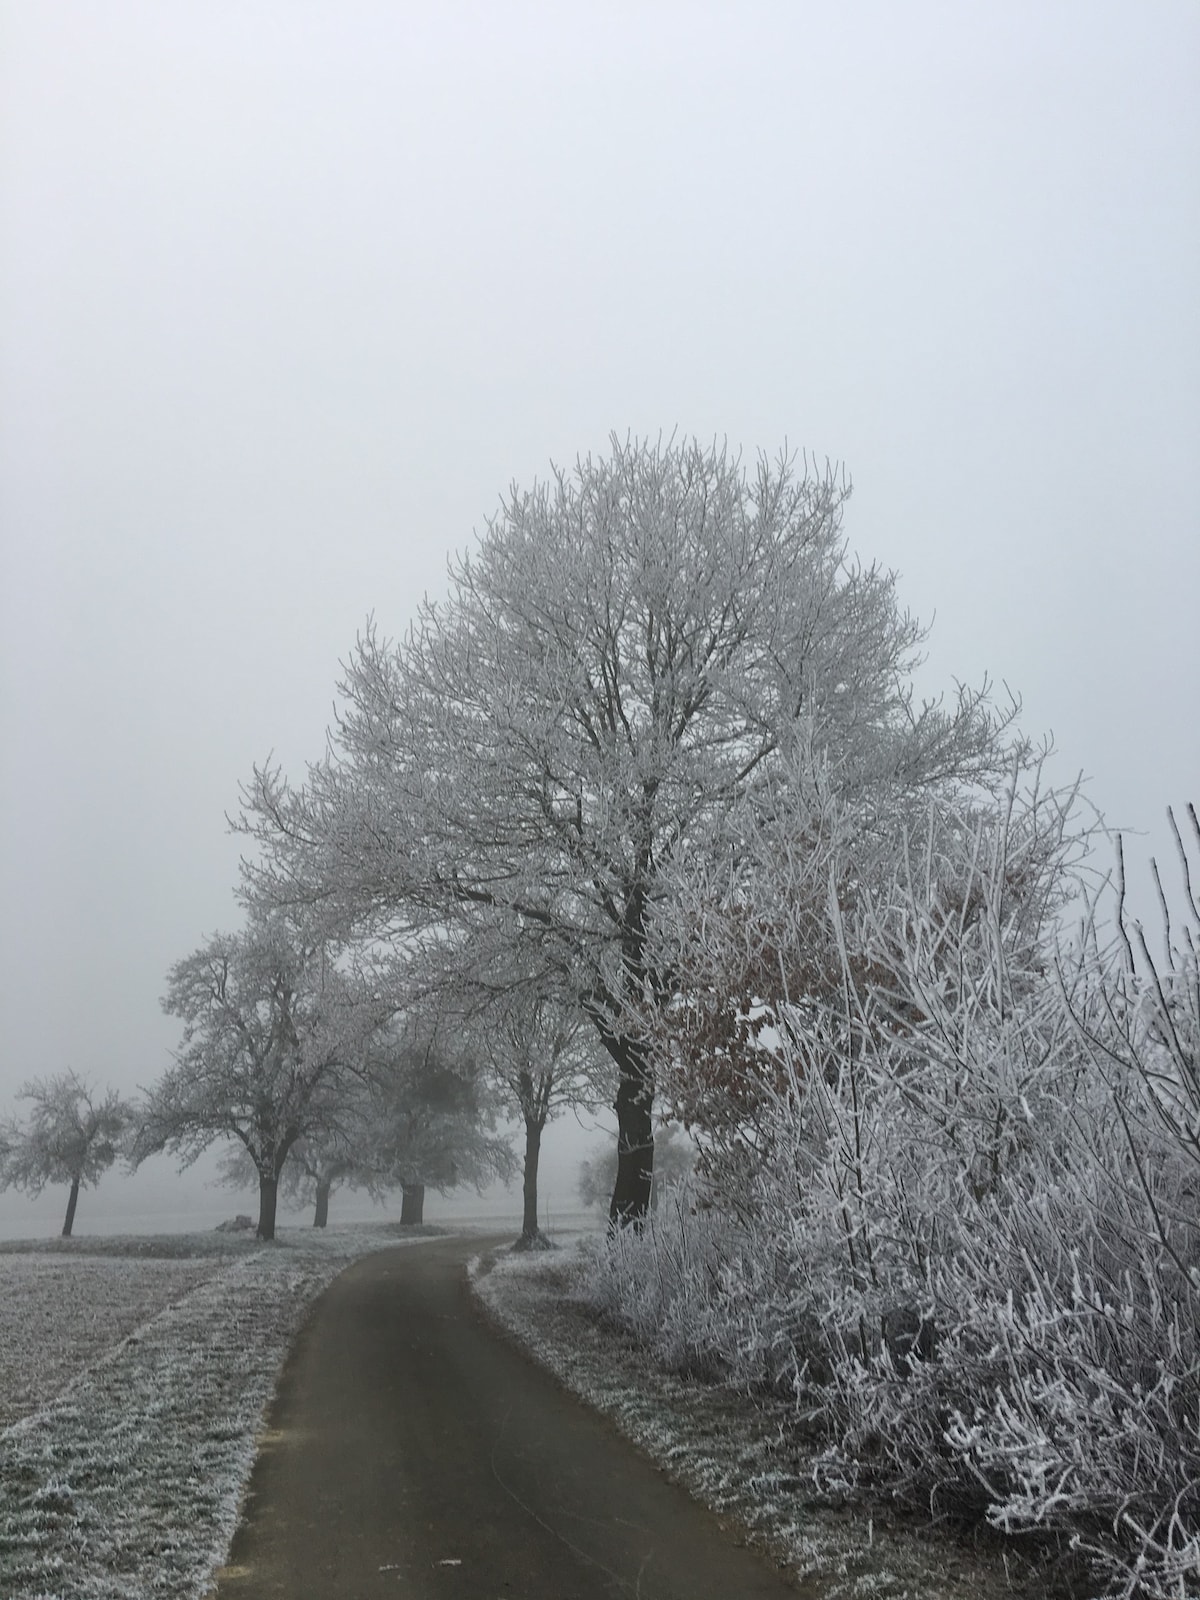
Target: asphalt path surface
(412,1452)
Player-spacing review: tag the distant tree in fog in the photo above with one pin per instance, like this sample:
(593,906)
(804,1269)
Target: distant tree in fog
(275,1037)
(541,1054)
(315,1167)
(674,1158)
(73,1135)
(431,1120)
(415,1115)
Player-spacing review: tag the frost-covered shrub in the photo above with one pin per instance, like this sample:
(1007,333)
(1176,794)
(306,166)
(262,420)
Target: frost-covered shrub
(951,1198)
(673,1286)
(697,1289)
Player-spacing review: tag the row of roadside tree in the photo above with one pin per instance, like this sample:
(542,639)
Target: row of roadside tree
(296,1060)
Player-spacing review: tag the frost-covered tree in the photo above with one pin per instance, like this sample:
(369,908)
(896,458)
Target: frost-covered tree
(543,1056)
(810,892)
(315,1167)
(432,1123)
(318,1166)
(72,1135)
(632,648)
(417,1115)
(274,1035)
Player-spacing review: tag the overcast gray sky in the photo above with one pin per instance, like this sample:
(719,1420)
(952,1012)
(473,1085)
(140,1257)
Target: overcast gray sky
(290,293)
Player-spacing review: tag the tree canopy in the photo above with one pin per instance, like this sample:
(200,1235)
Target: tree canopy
(632,648)
(432,1119)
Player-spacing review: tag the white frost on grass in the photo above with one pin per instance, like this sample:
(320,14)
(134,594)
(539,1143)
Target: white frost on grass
(127,1484)
(733,1452)
(60,1313)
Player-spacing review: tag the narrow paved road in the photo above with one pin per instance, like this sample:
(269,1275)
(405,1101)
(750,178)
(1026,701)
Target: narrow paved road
(414,1454)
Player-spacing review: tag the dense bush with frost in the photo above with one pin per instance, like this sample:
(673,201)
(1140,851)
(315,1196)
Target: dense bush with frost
(950,1179)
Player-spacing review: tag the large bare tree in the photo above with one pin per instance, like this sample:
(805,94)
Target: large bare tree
(632,647)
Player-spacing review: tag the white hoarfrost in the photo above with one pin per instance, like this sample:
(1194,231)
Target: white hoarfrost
(60,1313)
(126,1483)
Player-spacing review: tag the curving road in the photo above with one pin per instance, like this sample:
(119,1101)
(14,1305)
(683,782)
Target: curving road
(413,1453)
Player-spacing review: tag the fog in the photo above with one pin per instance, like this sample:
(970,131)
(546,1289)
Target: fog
(290,294)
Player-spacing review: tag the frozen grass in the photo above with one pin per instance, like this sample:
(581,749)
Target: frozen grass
(729,1450)
(126,1483)
(144,1246)
(61,1313)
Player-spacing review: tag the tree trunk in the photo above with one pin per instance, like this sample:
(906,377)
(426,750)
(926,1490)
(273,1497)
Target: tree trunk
(532,1238)
(412,1204)
(71,1204)
(321,1214)
(635,1134)
(268,1195)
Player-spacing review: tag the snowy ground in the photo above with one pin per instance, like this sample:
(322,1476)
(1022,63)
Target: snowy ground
(728,1450)
(139,1371)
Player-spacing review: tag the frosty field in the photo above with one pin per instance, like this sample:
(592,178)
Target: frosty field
(60,1313)
(132,1388)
